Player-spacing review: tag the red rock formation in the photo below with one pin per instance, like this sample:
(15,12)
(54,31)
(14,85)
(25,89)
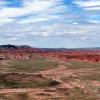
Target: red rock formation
(32,53)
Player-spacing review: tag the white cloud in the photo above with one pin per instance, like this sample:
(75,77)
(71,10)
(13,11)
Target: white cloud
(5,21)
(45,18)
(38,18)
(94,21)
(87,3)
(38,5)
(32,20)
(84,38)
(31,7)
(13,39)
(45,34)
(51,30)
(12,12)
(92,8)
(28,8)
(74,23)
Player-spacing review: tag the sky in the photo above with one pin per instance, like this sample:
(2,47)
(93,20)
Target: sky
(50,23)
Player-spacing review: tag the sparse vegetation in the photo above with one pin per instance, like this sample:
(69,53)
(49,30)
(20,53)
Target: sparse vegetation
(29,66)
(82,64)
(21,74)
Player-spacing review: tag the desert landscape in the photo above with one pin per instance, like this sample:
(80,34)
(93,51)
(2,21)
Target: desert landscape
(49,49)
(28,73)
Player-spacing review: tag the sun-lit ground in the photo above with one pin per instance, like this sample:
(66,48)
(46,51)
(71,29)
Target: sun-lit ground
(44,79)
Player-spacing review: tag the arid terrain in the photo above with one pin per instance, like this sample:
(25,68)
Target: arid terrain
(47,75)
(49,80)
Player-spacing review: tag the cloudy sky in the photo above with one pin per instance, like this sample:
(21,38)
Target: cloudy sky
(50,23)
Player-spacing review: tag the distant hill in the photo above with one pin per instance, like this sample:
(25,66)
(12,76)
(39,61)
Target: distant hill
(88,48)
(14,47)
(8,46)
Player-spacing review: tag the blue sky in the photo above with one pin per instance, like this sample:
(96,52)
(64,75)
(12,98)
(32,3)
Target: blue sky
(50,23)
